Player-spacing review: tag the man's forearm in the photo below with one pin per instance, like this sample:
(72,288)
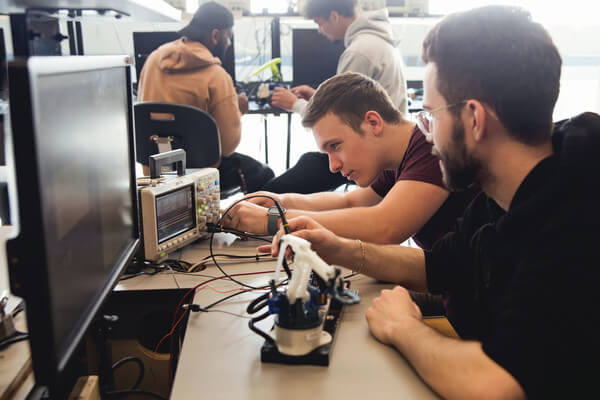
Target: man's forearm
(395,263)
(315,202)
(391,263)
(365,223)
(454,368)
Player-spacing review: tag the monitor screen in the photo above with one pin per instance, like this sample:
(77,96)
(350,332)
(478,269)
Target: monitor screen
(314,57)
(175,213)
(73,145)
(145,43)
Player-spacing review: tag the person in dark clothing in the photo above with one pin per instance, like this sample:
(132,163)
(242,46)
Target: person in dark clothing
(366,139)
(520,268)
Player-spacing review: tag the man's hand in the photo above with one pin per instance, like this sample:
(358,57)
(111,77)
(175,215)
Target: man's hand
(283,98)
(389,313)
(247,217)
(242,103)
(263,201)
(330,247)
(303,92)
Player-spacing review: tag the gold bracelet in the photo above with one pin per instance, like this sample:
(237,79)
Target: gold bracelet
(362,260)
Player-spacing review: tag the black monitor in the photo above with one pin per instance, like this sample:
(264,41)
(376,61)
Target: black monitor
(314,57)
(145,43)
(73,141)
(3,96)
(3,73)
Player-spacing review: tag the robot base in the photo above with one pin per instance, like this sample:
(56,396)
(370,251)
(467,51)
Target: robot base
(319,356)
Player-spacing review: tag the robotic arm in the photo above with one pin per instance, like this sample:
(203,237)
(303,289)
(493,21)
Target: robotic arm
(299,311)
(305,261)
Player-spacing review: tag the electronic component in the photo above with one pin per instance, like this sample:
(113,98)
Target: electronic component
(299,337)
(175,211)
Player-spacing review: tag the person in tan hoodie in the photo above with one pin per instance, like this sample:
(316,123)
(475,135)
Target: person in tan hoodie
(188,71)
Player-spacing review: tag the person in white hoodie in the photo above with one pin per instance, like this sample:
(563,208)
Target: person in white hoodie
(370,50)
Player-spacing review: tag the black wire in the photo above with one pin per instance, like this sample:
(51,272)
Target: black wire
(257,256)
(169,264)
(214,228)
(20,307)
(284,223)
(121,393)
(125,277)
(12,339)
(236,294)
(241,233)
(210,245)
(226,298)
(258,331)
(140,365)
(176,265)
(258,303)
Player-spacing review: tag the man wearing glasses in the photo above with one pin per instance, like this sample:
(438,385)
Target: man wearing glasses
(521,268)
(401,192)
(366,138)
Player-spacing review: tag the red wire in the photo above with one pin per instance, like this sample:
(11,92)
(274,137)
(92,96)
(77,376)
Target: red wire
(174,324)
(160,342)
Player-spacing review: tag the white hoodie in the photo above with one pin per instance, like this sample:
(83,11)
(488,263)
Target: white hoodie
(371,50)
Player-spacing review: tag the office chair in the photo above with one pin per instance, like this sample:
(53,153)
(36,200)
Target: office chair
(161,127)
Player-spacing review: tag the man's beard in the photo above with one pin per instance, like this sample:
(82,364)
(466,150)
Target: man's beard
(459,169)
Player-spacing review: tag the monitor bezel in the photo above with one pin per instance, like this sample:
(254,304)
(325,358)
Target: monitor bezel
(29,269)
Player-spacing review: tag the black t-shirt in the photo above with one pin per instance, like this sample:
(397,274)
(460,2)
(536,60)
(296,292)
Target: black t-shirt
(526,282)
(418,164)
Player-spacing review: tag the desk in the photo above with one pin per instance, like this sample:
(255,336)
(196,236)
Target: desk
(256,108)
(220,358)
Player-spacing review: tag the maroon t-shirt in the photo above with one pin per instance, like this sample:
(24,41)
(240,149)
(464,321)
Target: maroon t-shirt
(418,164)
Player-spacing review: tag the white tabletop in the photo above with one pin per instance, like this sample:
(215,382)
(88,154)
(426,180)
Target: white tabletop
(220,358)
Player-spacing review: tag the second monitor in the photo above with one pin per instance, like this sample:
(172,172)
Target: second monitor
(314,57)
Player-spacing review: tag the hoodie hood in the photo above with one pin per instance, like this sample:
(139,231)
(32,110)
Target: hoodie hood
(184,55)
(373,22)
(577,140)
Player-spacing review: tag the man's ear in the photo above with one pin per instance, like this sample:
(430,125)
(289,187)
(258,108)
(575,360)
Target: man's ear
(214,37)
(334,17)
(373,122)
(476,119)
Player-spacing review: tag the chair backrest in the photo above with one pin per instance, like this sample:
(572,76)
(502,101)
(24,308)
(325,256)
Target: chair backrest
(185,127)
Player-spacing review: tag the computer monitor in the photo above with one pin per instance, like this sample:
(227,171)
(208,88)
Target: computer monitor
(3,73)
(145,43)
(73,142)
(314,57)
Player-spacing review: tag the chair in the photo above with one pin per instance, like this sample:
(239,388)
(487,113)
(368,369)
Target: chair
(161,127)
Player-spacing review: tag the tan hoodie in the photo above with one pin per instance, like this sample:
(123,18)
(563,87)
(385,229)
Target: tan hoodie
(186,72)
